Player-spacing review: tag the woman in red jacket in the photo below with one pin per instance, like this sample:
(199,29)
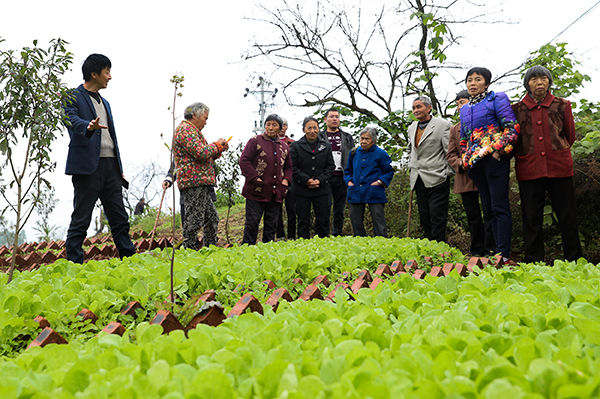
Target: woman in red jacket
(544,164)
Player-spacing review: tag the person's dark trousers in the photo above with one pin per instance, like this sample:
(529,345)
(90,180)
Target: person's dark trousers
(482,236)
(321,207)
(104,184)
(491,178)
(290,207)
(357,213)
(533,197)
(433,208)
(255,210)
(338,197)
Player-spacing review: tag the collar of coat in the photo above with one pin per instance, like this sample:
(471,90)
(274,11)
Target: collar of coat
(267,138)
(320,143)
(373,148)
(432,122)
(530,102)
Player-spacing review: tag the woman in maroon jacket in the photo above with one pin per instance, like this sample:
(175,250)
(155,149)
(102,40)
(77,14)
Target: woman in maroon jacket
(267,167)
(544,164)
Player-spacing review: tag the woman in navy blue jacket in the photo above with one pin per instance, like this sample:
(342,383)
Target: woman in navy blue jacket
(368,172)
(488,133)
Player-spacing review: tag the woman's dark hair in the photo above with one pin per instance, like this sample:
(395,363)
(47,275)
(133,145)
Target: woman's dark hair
(487,75)
(275,118)
(94,63)
(536,72)
(308,119)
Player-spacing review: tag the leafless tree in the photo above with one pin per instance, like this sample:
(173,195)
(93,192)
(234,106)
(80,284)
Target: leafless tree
(145,182)
(363,56)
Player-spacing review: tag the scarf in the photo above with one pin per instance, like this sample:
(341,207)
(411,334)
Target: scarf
(478,98)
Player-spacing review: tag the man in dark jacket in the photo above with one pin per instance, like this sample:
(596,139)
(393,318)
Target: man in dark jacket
(341,144)
(94,161)
(140,206)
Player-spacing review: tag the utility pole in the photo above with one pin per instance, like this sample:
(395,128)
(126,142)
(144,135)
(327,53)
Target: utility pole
(262,95)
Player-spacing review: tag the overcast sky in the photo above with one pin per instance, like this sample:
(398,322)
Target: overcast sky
(148,42)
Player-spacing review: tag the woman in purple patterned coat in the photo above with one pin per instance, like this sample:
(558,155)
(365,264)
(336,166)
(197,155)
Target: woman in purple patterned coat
(488,133)
(194,163)
(267,167)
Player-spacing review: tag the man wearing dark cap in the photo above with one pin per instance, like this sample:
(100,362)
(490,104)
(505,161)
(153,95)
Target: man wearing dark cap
(482,237)
(267,167)
(94,161)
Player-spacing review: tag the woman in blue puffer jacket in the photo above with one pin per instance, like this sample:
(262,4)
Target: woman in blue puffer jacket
(488,132)
(368,172)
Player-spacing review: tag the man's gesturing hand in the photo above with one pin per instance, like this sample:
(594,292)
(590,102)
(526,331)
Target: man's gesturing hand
(95,124)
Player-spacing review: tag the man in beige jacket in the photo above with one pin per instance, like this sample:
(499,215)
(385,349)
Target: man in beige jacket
(482,237)
(429,169)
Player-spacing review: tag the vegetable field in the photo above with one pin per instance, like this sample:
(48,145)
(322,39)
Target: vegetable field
(528,332)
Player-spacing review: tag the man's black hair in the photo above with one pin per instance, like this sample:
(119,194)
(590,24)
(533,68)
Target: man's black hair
(94,63)
(462,94)
(331,110)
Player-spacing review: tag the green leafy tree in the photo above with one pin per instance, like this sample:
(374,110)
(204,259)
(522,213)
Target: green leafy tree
(587,123)
(568,81)
(31,99)
(392,128)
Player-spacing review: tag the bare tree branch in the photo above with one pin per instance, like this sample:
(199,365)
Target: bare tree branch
(364,58)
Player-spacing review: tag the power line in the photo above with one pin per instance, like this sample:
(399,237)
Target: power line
(572,23)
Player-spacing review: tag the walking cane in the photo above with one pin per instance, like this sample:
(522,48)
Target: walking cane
(158,215)
(410,201)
